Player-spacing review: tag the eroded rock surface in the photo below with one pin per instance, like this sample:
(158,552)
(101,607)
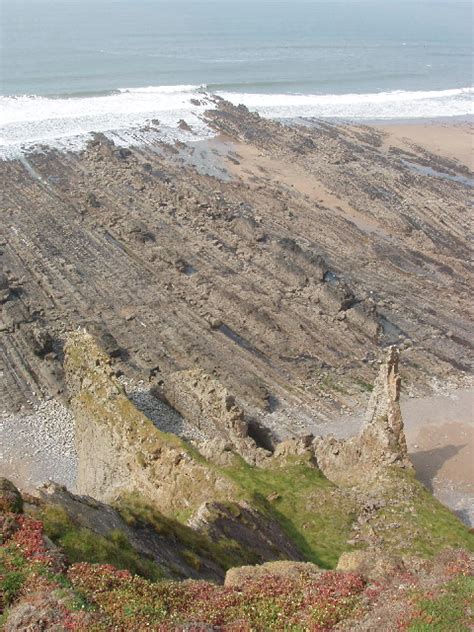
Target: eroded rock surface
(381,442)
(209,406)
(119,449)
(281,276)
(244,524)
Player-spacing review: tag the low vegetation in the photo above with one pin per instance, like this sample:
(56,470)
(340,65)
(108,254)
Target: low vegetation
(307,506)
(100,597)
(83,545)
(193,545)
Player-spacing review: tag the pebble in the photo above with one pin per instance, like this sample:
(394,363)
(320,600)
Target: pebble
(43,441)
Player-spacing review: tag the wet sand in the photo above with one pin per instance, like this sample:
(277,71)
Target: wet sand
(452,140)
(440,437)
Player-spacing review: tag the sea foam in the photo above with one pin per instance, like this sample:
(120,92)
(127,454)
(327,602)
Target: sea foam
(67,123)
(381,105)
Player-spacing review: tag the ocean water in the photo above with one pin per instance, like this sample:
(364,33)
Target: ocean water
(69,67)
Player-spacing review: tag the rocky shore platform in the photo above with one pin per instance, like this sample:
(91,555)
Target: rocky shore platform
(275,262)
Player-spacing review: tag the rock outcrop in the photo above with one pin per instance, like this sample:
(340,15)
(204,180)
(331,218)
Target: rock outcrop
(287,570)
(119,449)
(10,497)
(166,543)
(381,442)
(244,524)
(292,263)
(208,405)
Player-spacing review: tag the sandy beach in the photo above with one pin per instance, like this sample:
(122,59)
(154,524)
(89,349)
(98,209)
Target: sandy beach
(451,139)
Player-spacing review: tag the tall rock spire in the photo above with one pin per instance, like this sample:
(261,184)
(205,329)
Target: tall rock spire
(382,440)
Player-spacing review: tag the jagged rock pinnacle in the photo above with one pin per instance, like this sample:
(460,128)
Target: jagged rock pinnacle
(382,440)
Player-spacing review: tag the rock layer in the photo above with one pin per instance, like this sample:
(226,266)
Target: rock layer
(281,276)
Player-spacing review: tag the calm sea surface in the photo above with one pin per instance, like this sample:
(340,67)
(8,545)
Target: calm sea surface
(350,59)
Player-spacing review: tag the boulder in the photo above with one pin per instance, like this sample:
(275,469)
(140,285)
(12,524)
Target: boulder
(10,498)
(287,569)
(372,564)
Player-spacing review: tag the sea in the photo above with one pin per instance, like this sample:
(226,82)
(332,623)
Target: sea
(72,67)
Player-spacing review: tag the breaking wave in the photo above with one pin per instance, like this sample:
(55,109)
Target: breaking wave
(381,105)
(67,122)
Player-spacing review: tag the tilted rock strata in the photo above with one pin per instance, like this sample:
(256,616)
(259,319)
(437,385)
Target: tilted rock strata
(281,275)
(244,524)
(165,549)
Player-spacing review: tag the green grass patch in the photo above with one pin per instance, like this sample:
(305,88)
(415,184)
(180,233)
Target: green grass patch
(448,611)
(83,545)
(10,584)
(426,526)
(192,546)
(307,506)
(365,386)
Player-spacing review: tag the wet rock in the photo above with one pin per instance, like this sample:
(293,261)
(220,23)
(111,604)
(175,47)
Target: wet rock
(41,341)
(92,201)
(105,339)
(123,153)
(184,126)
(4,288)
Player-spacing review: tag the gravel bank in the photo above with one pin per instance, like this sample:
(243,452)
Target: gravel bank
(39,446)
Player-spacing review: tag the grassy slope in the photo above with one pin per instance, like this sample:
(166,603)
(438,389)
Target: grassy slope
(308,506)
(82,545)
(314,513)
(423,525)
(446,610)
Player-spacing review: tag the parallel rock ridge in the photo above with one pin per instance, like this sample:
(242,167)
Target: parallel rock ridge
(283,290)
